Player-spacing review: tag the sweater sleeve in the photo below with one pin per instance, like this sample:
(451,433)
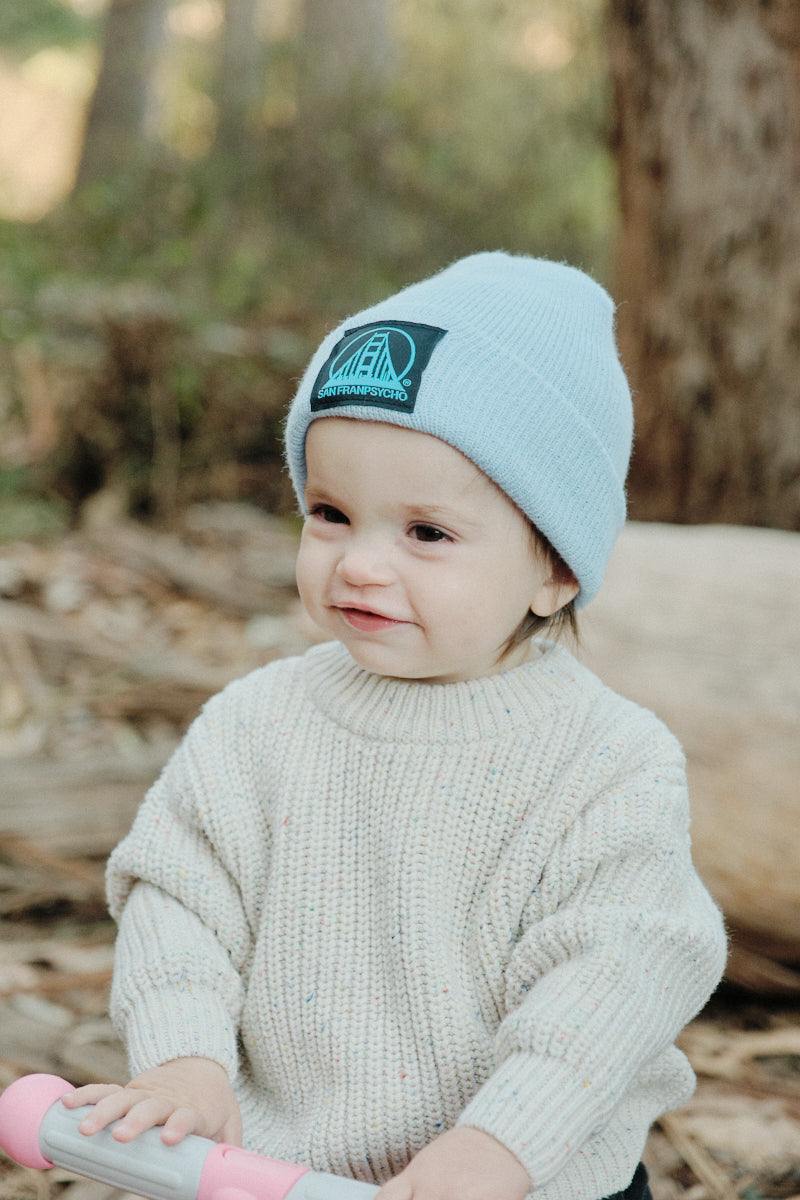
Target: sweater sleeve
(619,946)
(174,889)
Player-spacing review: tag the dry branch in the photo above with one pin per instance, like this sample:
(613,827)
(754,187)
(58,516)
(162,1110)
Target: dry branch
(56,985)
(168,559)
(16,618)
(697,1157)
(740,1057)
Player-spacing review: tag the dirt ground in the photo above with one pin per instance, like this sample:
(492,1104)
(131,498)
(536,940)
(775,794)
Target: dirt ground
(109,642)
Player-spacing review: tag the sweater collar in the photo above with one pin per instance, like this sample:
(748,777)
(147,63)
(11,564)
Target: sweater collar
(382,708)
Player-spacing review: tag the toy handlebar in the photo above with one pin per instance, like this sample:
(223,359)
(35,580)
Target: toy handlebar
(37,1131)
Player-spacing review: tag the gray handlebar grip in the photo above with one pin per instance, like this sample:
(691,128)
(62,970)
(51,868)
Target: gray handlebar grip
(315,1185)
(148,1167)
(155,1170)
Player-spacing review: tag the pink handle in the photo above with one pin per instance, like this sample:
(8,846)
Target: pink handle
(233,1174)
(22,1109)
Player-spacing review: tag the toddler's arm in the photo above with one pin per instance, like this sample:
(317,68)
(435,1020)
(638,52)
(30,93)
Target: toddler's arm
(619,945)
(180,894)
(187,1095)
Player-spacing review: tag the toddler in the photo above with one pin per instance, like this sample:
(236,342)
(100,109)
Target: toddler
(418,907)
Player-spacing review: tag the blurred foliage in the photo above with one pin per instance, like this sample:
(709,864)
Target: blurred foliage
(30,25)
(491,132)
(28,515)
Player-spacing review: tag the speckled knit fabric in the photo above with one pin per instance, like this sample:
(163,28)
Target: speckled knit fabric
(389,907)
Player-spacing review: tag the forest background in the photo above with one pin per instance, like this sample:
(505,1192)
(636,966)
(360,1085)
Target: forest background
(194,191)
(191,191)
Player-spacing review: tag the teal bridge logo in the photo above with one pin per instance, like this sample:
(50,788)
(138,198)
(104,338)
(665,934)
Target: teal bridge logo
(378,364)
(375,362)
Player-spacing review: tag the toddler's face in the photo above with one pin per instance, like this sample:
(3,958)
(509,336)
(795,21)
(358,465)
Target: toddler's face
(412,557)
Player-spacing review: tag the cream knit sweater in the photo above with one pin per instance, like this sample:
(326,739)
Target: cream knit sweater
(388,907)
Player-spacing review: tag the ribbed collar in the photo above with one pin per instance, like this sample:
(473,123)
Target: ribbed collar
(397,710)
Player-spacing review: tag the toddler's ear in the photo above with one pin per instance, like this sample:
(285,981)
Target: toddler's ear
(555,593)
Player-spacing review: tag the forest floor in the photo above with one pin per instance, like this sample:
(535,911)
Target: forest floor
(110,640)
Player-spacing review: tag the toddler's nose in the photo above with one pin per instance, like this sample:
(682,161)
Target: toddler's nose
(365,562)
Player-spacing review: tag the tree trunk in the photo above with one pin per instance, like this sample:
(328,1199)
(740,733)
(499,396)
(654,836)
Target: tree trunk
(120,113)
(347,50)
(346,61)
(238,88)
(707,99)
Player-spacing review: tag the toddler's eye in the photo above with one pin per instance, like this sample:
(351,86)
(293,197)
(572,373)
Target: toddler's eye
(326,512)
(428,533)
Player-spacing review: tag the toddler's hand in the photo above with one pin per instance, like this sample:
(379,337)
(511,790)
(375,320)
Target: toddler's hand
(187,1095)
(462,1164)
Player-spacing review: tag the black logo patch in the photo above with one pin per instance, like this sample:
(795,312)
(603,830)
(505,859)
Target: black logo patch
(377,364)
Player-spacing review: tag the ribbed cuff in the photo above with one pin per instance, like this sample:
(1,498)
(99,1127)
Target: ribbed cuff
(540,1109)
(178,1024)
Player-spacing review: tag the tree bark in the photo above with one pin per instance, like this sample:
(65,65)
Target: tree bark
(707,96)
(239,83)
(346,60)
(120,112)
(347,50)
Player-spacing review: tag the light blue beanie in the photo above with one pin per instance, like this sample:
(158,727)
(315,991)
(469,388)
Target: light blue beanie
(513,361)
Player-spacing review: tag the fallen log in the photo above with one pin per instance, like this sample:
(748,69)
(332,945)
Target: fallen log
(89,804)
(701,625)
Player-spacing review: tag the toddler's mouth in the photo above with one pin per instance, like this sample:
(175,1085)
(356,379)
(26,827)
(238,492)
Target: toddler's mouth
(366,621)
